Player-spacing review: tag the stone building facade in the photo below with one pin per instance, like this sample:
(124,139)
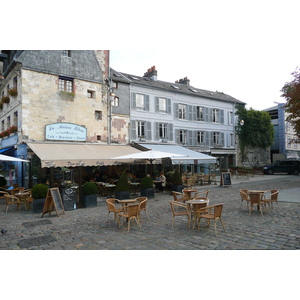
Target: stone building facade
(42,87)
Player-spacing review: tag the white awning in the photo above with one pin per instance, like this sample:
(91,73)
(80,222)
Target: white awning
(74,155)
(191,157)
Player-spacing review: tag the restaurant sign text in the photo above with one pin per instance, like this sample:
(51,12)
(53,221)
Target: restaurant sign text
(65,132)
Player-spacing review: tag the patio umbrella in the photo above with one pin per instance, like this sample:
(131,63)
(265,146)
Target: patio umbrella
(149,155)
(10,158)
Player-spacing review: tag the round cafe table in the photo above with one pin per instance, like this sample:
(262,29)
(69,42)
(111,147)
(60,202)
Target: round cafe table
(189,192)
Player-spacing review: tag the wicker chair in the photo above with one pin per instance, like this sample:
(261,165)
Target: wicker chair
(132,212)
(273,197)
(256,199)
(197,211)
(112,208)
(244,197)
(213,212)
(12,200)
(180,212)
(142,205)
(203,193)
(180,197)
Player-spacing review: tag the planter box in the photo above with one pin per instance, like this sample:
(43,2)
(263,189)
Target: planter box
(89,201)
(122,195)
(149,193)
(38,205)
(177,188)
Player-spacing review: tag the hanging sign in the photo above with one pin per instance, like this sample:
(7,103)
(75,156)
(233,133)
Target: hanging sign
(65,132)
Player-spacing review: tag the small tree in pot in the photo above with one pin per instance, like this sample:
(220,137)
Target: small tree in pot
(89,197)
(177,185)
(39,194)
(147,189)
(122,190)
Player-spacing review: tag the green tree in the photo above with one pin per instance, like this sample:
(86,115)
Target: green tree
(257,130)
(291,92)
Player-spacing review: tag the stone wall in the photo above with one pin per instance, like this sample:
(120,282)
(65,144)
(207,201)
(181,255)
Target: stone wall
(254,157)
(42,104)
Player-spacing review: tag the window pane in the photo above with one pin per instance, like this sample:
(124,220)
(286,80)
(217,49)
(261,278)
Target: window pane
(162,104)
(140,101)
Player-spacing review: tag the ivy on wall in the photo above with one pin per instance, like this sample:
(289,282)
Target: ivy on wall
(257,130)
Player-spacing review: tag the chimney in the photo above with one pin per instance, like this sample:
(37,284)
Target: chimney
(151,73)
(184,80)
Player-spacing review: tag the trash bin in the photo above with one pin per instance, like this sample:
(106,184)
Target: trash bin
(70,196)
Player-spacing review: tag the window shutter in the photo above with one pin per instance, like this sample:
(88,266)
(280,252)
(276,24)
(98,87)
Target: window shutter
(190,138)
(170,132)
(221,116)
(148,124)
(177,137)
(169,106)
(156,104)
(207,138)
(222,139)
(156,130)
(207,114)
(133,130)
(133,100)
(176,111)
(147,104)
(190,112)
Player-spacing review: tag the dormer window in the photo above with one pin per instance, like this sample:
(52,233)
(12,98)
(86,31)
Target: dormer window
(66,53)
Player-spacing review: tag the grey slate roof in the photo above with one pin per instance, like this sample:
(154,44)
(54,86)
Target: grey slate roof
(168,86)
(82,64)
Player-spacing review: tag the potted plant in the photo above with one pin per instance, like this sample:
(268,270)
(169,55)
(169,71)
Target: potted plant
(122,190)
(13,92)
(39,194)
(89,197)
(177,185)
(5,99)
(147,189)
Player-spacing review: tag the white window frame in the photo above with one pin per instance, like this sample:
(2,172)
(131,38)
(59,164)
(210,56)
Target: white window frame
(215,115)
(140,129)
(140,101)
(163,130)
(183,137)
(200,113)
(217,138)
(200,137)
(182,111)
(162,104)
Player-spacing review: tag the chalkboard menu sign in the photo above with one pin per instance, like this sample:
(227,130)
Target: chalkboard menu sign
(225,179)
(53,203)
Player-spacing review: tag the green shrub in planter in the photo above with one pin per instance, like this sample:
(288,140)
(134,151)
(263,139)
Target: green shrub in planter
(146,183)
(39,191)
(177,185)
(147,189)
(177,178)
(89,188)
(122,190)
(90,191)
(39,194)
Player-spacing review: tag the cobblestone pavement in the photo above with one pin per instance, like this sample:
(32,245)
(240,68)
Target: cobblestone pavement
(278,229)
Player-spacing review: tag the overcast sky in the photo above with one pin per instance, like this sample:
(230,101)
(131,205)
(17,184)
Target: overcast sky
(246,49)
